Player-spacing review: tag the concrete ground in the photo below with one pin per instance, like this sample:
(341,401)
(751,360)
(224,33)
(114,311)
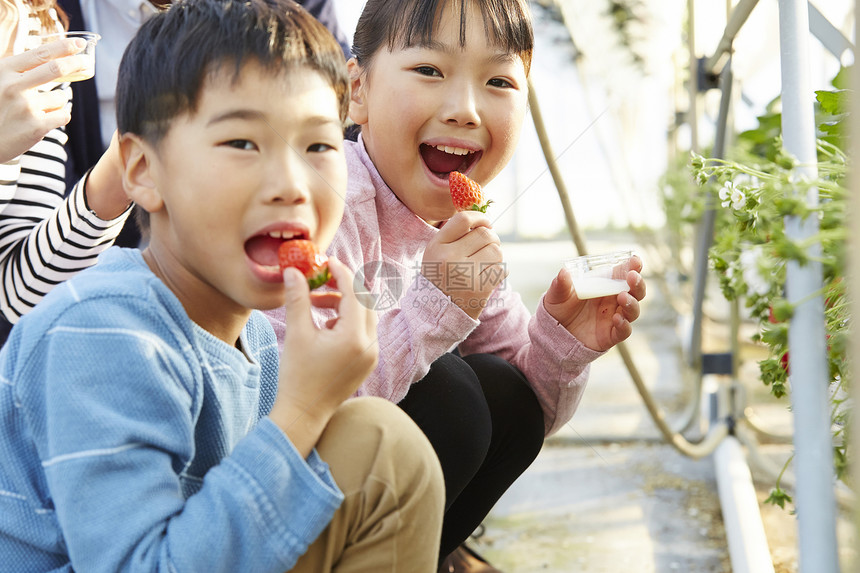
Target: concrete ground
(607,494)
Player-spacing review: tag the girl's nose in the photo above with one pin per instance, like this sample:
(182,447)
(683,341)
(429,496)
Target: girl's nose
(462,107)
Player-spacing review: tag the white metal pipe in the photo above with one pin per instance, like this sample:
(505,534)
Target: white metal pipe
(748,548)
(830,36)
(693,83)
(736,21)
(813,462)
(854,272)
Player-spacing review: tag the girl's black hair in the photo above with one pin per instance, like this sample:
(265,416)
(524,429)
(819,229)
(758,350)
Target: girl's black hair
(406,23)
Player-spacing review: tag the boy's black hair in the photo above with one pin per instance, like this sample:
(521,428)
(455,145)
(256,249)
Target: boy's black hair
(166,64)
(406,23)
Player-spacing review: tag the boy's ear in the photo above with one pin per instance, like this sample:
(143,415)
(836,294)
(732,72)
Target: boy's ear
(357,81)
(137,177)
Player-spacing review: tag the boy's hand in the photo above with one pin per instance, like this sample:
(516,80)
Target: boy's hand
(464,260)
(321,367)
(599,323)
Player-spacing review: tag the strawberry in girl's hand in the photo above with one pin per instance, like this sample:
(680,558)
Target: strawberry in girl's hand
(303,255)
(466,194)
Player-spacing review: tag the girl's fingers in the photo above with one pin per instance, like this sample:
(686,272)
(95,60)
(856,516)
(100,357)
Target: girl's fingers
(46,63)
(637,285)
(50,101)
(46,53)
(54,119)
(460,224)
(629,307)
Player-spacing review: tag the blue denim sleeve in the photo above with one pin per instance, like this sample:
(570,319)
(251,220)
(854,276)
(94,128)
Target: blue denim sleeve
(113,418)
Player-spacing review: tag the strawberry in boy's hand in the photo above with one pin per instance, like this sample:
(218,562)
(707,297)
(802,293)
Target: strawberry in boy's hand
(303,255)
(466,194)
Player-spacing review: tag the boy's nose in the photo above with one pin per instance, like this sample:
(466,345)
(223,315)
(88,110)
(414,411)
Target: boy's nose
(288,180)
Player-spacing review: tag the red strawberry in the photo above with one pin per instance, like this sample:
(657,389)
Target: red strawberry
(466,194)
(303,255)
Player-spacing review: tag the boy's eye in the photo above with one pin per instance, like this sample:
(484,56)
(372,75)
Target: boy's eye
(500,83)
(428,71)
(319,147)
(242,144)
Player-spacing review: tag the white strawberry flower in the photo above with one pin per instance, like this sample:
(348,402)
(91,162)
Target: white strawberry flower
(739,199)
(726,193)
(750,260)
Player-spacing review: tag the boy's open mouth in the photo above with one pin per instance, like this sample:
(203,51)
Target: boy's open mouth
(263,249)
(443,159)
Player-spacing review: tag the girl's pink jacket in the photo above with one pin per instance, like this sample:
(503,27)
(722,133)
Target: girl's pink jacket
(383,242)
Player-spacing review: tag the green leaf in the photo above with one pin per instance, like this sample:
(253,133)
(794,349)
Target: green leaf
(791,251)
(775,334)
(842,79)
(778,497)
(835,102)
(782,310)
(778,389)
(786,206)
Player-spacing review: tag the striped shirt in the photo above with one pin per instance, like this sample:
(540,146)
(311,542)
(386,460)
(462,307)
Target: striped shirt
(45,237)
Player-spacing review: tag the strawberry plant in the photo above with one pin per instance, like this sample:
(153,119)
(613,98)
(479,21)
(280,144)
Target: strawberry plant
(756,188)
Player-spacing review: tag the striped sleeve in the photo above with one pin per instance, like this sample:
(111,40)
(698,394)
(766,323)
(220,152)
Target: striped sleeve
(45,237)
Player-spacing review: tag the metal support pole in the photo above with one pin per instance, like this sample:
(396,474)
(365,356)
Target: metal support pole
(706,228)
(738,17)
(748,548)
(813,462)
(693,83)
(829,35)
(854,274)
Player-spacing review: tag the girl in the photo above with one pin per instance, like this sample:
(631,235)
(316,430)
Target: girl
(439,86)
(45,237)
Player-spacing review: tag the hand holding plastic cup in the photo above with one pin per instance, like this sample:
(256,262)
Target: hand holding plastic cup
(87,55)
(596,276)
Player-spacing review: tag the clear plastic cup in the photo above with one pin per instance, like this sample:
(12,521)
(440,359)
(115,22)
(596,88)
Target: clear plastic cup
(595,276)
(87,55)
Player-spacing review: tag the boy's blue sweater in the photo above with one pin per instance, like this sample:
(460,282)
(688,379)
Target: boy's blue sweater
(133,440)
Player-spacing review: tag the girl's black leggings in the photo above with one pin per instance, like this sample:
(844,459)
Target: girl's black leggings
(486,426)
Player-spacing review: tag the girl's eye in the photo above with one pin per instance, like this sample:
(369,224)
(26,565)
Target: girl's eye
(242,144)
(428,71)
(500,83)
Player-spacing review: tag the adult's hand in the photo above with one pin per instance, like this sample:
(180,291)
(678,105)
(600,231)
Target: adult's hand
(26,114)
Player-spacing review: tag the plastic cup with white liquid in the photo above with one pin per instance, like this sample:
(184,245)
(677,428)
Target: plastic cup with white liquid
(595,276)
(87,55)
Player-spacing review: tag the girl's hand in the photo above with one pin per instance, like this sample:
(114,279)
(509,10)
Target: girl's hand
(104,191)
(26,114)
(321,367)
(464,260)
(599,323)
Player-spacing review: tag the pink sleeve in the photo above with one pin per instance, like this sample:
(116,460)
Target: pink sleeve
(554,362)
(425,326)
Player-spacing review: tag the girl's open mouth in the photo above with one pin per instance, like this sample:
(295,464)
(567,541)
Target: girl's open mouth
(443,159)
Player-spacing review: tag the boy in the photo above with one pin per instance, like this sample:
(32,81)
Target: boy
(146,424)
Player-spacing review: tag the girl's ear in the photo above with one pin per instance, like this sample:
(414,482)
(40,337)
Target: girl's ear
(357,96)
(137,177)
